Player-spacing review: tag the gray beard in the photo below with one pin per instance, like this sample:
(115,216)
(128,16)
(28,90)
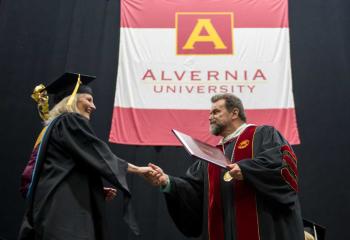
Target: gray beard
(216,129)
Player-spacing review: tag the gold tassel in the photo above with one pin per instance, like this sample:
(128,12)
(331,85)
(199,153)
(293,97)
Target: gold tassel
(71,98)
(42,99)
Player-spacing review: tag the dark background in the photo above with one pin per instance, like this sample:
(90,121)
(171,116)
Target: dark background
(41,39)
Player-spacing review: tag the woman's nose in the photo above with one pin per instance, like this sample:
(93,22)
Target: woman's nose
(93,106)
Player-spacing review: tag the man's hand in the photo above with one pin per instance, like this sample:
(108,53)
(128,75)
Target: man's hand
(235,171)
(110,193)
(156,176)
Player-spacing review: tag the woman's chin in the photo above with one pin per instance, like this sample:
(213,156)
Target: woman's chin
(86,115)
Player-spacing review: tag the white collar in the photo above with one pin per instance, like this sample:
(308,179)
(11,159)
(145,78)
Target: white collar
(236,133)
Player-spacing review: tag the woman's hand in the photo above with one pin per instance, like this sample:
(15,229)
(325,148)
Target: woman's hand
(142,171)
(110,193)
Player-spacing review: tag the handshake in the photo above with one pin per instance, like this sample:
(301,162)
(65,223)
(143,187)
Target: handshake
(153,174)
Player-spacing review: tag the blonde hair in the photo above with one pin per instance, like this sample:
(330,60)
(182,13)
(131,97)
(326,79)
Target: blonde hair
(62,107)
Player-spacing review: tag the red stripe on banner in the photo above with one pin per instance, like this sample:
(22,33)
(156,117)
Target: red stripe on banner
(152,127)
(161,13)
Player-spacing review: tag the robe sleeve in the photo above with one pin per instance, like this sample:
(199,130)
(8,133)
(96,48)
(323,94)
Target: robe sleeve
(185,200)
(272,171)
(77,136)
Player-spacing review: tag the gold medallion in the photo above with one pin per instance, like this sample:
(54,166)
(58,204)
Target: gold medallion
(227,177)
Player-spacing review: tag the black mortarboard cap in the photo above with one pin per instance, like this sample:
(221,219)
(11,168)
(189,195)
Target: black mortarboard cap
(316,230)
(65,84)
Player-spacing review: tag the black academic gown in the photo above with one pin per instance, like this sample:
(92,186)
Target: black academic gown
(66,199)
(278,208)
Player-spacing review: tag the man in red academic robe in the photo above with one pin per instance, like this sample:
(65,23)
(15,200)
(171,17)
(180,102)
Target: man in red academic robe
(260,203)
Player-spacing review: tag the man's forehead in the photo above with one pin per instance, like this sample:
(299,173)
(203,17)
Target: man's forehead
(218,104)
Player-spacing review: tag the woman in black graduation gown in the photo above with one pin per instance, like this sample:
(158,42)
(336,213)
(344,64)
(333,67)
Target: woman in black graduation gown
(63,180)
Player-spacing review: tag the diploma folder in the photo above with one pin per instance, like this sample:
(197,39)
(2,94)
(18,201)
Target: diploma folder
(201,150)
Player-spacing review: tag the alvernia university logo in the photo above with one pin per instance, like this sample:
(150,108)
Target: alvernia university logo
(204,33)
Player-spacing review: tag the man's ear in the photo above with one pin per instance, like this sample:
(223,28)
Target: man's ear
(235,113)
